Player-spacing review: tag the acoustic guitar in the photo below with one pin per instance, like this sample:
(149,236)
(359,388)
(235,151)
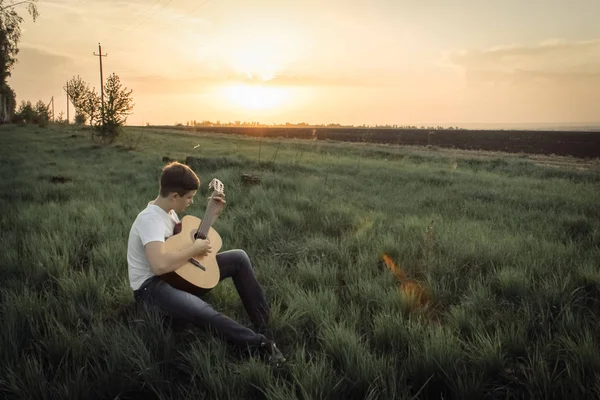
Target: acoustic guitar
(200,272)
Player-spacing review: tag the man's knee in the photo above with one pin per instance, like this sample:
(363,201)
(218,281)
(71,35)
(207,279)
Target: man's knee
(245,259)
(242,258)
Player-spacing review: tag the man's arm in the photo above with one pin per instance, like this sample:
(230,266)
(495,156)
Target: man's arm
(162,262)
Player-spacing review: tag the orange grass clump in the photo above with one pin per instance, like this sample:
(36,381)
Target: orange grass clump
(410,288)
(397,271)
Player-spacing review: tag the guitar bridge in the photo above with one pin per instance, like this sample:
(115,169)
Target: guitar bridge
(197,264)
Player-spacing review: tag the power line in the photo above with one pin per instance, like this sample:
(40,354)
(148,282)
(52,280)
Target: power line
(151,15)
(134,25)
(188,13)
(196,8)
(133,22)
(148,14)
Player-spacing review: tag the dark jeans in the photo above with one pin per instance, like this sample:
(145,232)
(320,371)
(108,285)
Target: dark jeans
(187,304)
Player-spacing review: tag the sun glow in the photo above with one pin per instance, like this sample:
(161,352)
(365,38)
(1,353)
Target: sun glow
(255,97)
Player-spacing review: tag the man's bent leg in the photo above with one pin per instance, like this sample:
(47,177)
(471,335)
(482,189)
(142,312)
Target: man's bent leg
(182,305)
(237,265)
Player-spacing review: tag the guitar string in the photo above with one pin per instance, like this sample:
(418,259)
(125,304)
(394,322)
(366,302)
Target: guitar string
(210,216)
(204,223)
(209,219)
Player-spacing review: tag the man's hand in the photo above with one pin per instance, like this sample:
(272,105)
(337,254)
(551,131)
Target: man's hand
(202,246)
(219,200)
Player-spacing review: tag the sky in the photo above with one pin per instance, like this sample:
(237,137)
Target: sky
(443,62)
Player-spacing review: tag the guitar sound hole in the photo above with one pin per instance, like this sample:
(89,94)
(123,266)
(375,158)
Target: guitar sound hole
(197,236)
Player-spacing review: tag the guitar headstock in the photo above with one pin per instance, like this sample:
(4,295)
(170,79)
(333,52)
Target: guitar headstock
(217,198)
(218,187)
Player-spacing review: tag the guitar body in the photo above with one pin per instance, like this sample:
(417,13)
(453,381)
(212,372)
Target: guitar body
(189,272)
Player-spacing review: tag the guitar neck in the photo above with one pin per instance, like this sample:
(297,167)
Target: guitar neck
(212,210)
(207,221)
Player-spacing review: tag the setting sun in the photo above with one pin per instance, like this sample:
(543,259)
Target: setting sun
(387,62)
(255,97)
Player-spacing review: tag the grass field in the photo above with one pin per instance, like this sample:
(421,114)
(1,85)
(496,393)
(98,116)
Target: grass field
(582,144)
(505,247)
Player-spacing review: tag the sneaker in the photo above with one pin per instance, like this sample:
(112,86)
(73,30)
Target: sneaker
(271,354)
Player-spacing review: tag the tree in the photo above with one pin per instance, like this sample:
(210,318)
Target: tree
(80,119)
(42,113)
(10,34)
(117,107)
(61,118)
(25,114)
(77,91)
(85,100)
(119,104)
(91,106)
(8,102)
(30,114)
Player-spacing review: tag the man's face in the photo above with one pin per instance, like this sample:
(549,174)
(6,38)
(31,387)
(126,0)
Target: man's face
(181,203)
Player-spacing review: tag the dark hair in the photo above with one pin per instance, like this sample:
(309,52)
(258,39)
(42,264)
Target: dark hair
(178,178)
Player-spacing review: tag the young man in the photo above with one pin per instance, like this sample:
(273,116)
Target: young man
(155,284)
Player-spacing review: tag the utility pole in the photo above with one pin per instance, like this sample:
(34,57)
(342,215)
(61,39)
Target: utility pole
(52,108)
(101,81)
(67,91)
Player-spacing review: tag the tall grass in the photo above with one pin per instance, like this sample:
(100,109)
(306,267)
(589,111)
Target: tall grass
(508,251)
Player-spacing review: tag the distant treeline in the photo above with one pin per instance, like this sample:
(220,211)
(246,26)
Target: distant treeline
(565,143)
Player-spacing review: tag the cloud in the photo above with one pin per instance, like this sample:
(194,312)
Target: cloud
(195,84)
(30,58)
(356,78)
(553,61)
(301,80)
(40,73)
(157,84)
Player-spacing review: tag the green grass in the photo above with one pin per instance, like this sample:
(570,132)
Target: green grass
(508,249)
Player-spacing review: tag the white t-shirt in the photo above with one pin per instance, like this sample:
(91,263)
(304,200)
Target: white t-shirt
(152,224)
